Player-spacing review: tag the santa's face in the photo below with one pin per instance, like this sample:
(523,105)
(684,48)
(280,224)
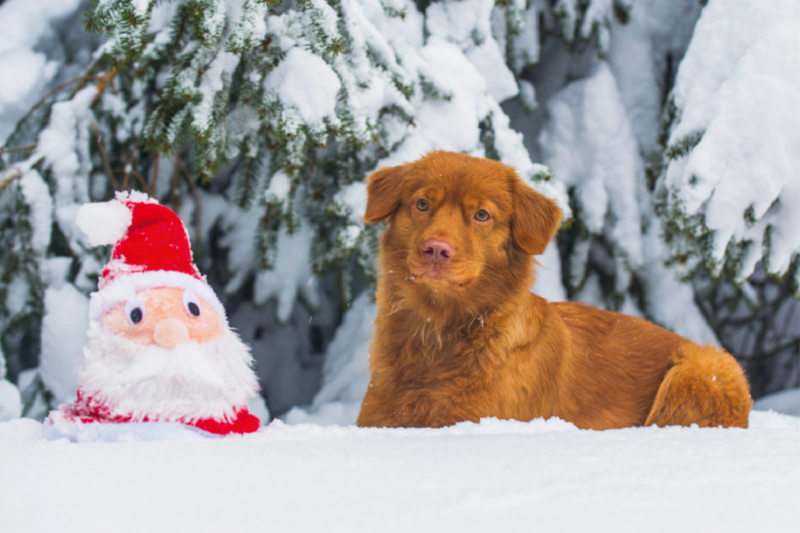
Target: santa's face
(166,355)
(165,316)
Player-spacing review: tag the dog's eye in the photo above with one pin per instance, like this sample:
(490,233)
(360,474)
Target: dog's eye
(482,215)
(422,205)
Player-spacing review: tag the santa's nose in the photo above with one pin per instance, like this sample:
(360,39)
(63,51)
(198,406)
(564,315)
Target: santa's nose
(170,332)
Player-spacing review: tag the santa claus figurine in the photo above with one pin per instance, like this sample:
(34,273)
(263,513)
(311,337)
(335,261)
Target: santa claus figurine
(159,348)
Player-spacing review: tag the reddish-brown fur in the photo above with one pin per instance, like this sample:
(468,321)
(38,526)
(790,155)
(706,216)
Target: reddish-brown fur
(465,339)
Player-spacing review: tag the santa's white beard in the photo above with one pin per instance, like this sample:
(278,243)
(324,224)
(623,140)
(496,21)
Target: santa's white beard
(191,382)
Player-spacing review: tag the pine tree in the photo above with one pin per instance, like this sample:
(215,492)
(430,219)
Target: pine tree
(725,188)
(603,73)
(257,122)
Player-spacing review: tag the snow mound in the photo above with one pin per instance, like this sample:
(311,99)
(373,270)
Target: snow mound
(306,82)
(25,72)
(466,23)
(333,413)
(10,400)
(492,476)
(291,275)
(20,430)
(345,376)
(127,432)
(737,95)
(64,326)
(786,402)
(589,145)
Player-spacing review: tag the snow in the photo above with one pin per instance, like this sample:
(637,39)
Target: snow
(638,54)
(580,18)
(37,196)
(64,325)
(29,70)
(17,294)
(64,144)
(303,80)
(252,25)
(741,51)
(354,198)
(58,427)
(279,187)
(213,81)
(669,301)
(548,275)
(291,275)
(488,59)
(527,95)
(446,124)
(215,22)
(492,476)
(10,400)
(25,72)
(140,7)
(466,23)
(786,402)
(523,48)
(258,408)
(589,145)
(345,375)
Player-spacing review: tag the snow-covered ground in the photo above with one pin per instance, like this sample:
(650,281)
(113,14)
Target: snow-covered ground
(493,476)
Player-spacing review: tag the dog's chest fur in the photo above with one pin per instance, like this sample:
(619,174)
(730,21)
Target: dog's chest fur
(437,374)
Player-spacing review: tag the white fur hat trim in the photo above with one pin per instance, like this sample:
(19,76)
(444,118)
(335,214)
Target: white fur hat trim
(122,289)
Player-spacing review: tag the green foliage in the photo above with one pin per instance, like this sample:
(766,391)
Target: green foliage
(683,146)
(689,241)
(200,79)
(580,22)
(21,288)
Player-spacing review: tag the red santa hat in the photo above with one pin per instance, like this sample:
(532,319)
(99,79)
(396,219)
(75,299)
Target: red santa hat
(151,249)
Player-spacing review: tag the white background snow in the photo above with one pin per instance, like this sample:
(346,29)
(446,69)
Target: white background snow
(492,476)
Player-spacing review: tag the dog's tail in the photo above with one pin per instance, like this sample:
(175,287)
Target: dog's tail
(704,386)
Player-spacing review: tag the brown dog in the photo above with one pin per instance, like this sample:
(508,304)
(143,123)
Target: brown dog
(460,337)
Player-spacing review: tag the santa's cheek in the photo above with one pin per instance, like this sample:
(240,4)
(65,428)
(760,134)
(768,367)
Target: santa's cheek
(141,333)
(205,331)
(207,326)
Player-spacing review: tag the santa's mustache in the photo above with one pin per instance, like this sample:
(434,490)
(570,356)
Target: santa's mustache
(191,381)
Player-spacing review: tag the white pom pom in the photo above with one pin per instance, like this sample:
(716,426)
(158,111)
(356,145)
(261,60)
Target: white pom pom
(104,223)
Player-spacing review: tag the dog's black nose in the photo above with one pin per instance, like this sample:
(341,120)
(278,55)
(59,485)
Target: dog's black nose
(437,251)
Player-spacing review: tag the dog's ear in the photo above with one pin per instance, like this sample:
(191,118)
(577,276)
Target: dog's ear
(536,219)
(383,192)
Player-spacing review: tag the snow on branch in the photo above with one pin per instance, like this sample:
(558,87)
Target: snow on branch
(728,190)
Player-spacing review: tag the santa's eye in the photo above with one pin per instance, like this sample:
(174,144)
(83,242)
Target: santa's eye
(422,205)
(482,215)
(134,311)
(191,303)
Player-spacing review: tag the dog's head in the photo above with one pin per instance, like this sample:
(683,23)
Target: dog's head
(459,226)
